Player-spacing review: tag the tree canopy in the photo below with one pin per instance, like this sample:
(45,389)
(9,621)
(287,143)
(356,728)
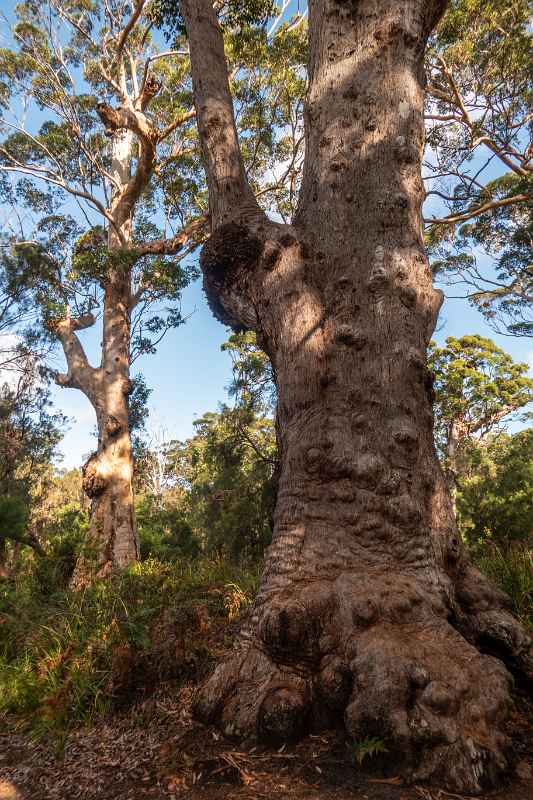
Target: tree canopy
(477,387)
(479,155)
(494,497)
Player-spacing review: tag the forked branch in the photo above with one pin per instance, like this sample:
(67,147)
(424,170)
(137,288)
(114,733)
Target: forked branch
(80,374)
(229,189)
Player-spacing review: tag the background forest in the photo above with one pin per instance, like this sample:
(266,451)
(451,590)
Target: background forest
(204,499)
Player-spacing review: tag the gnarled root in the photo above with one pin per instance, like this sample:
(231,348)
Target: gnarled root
(484,618)
(378,653)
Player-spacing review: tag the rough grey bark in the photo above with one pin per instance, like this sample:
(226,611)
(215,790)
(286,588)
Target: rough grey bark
(369,612)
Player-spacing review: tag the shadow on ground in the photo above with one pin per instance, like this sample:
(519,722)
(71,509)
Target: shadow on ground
(155,750)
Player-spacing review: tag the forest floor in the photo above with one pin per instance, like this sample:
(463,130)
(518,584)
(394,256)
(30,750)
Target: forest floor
(156,751)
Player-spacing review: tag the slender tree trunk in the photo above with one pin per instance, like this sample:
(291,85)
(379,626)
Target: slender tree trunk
(108,474)
(369,613)
(451,464)
(4,571)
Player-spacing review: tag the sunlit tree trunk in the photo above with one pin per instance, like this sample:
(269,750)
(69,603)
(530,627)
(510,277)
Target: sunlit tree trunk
(369,612)
(123,74)
(108,475)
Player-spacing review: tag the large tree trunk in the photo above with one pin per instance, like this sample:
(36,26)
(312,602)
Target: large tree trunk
(112,541)
(369,612)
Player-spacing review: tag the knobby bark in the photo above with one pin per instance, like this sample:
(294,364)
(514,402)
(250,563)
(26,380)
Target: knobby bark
(369,612)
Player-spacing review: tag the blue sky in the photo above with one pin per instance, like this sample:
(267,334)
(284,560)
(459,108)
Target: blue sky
(189,373)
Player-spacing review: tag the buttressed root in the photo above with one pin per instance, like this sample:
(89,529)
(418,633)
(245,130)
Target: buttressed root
(377,654)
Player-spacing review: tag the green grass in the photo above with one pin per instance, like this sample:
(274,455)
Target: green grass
(69,657)
(512,571)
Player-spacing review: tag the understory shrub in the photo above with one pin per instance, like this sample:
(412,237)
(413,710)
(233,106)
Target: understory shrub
(512,571)
(70,656)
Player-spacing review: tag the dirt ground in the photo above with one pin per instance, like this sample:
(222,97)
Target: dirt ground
(156,751)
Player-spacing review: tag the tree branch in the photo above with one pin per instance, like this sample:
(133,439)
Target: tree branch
(229,190)
(169,247)
(194,234)
(116,119)
(156,57)
(457,101)
(51,177)
(249,440)
(123,37)
(172,126)
(75,24)
(477,210)
(80,374)
(30,540)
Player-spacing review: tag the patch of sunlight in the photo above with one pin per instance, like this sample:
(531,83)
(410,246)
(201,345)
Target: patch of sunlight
(8,791)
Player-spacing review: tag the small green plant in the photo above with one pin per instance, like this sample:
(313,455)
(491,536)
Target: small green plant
(368,747)
(512,571)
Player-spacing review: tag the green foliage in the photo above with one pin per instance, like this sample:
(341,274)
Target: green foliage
(253,381)
(164,530)
(206,504)
(229,472)
(68,657)
(477,385)
(215,493)
(495,491)
(505,236)
(478,388)
(62,533)
(494,513)
(29,434)
(15,313)
(54,527)
(480,84)
(138,413)
(512,571)
(166,15)
(13,516)
(66,261)
(268,96)
(367,748)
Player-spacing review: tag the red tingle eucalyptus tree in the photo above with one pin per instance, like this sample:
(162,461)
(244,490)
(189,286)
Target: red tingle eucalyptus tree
(369,611)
